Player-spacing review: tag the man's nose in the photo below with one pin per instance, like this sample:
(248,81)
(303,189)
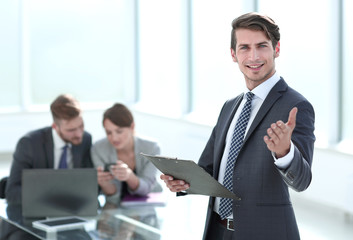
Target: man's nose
(254,54)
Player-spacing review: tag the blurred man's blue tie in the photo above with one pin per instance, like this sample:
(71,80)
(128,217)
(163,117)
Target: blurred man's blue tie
(225,206)
(63,158)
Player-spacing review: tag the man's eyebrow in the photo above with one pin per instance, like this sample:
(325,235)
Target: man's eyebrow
(74,129)
(243,45)
(263,43)
(260,43)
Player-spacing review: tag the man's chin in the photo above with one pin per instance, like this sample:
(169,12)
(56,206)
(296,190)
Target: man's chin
(76,141)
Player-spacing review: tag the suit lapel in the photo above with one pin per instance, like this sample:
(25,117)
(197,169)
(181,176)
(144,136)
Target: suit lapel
(230,118)
(76,156)
(225,127)
(49,148)
(272,97)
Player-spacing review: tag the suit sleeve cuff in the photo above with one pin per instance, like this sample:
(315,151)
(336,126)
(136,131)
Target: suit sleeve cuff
(285,161)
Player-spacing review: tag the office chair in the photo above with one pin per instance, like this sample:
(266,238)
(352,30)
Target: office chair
(3,183)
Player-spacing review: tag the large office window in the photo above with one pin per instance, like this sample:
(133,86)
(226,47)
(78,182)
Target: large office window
(215,76)
(347,72)
(163,66)
(10,96)
(173,57)
(309,56)
(85,48)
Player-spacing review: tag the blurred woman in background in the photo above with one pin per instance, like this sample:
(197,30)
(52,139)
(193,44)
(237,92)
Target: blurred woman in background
(121,169)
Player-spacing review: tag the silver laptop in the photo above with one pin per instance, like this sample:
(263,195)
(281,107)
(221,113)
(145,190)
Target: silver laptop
(57,192)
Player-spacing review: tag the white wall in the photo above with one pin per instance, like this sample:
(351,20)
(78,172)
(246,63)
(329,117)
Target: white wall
(332,183)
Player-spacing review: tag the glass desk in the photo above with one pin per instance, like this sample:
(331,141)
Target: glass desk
(181,218)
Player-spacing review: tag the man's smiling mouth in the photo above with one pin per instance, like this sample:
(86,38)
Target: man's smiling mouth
(255,66)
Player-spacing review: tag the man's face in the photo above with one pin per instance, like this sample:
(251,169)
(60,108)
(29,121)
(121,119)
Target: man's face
(255,56)
(70,130)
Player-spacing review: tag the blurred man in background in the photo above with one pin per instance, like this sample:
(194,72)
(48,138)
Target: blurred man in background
(64,144)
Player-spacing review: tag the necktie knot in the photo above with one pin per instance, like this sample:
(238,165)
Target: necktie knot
(249,96)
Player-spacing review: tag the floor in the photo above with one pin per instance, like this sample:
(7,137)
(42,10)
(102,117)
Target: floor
(315,222)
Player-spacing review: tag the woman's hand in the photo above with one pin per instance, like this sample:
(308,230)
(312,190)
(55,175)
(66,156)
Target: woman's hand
(103,178)
(121,171)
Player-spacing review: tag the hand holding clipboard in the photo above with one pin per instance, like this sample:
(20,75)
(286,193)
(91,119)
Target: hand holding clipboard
(199,180)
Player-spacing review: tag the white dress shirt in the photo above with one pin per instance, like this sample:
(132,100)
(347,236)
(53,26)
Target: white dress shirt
(260,94)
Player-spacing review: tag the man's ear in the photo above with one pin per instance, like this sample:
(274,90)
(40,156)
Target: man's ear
(54,126)
(277,49)
(234,57)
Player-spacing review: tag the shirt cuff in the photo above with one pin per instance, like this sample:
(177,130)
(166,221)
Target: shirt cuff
(285,161)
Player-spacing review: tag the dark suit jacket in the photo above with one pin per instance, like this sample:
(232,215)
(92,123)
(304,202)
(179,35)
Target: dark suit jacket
(265,210)
(36,150)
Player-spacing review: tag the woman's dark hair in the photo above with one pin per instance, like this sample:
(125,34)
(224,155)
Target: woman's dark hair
(119,114)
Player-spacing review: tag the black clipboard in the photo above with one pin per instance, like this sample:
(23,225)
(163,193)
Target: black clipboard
(201,182)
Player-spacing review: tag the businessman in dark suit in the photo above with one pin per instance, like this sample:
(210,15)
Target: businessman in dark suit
(275,151)
(45,148)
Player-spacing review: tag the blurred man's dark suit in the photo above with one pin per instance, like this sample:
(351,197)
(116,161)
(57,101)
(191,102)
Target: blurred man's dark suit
(36,150)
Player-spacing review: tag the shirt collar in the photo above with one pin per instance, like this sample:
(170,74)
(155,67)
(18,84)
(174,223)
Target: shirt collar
(58,142)
(264,88)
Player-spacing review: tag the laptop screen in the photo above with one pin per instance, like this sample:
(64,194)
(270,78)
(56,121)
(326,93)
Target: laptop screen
(59,192)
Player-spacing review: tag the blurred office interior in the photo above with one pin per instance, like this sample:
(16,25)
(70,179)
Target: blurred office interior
(170,62)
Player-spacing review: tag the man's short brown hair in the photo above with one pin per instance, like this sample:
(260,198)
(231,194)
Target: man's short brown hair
(65,107)
(257,22)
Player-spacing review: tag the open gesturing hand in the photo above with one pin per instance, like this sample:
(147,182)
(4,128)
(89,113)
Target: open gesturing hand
(279,135)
